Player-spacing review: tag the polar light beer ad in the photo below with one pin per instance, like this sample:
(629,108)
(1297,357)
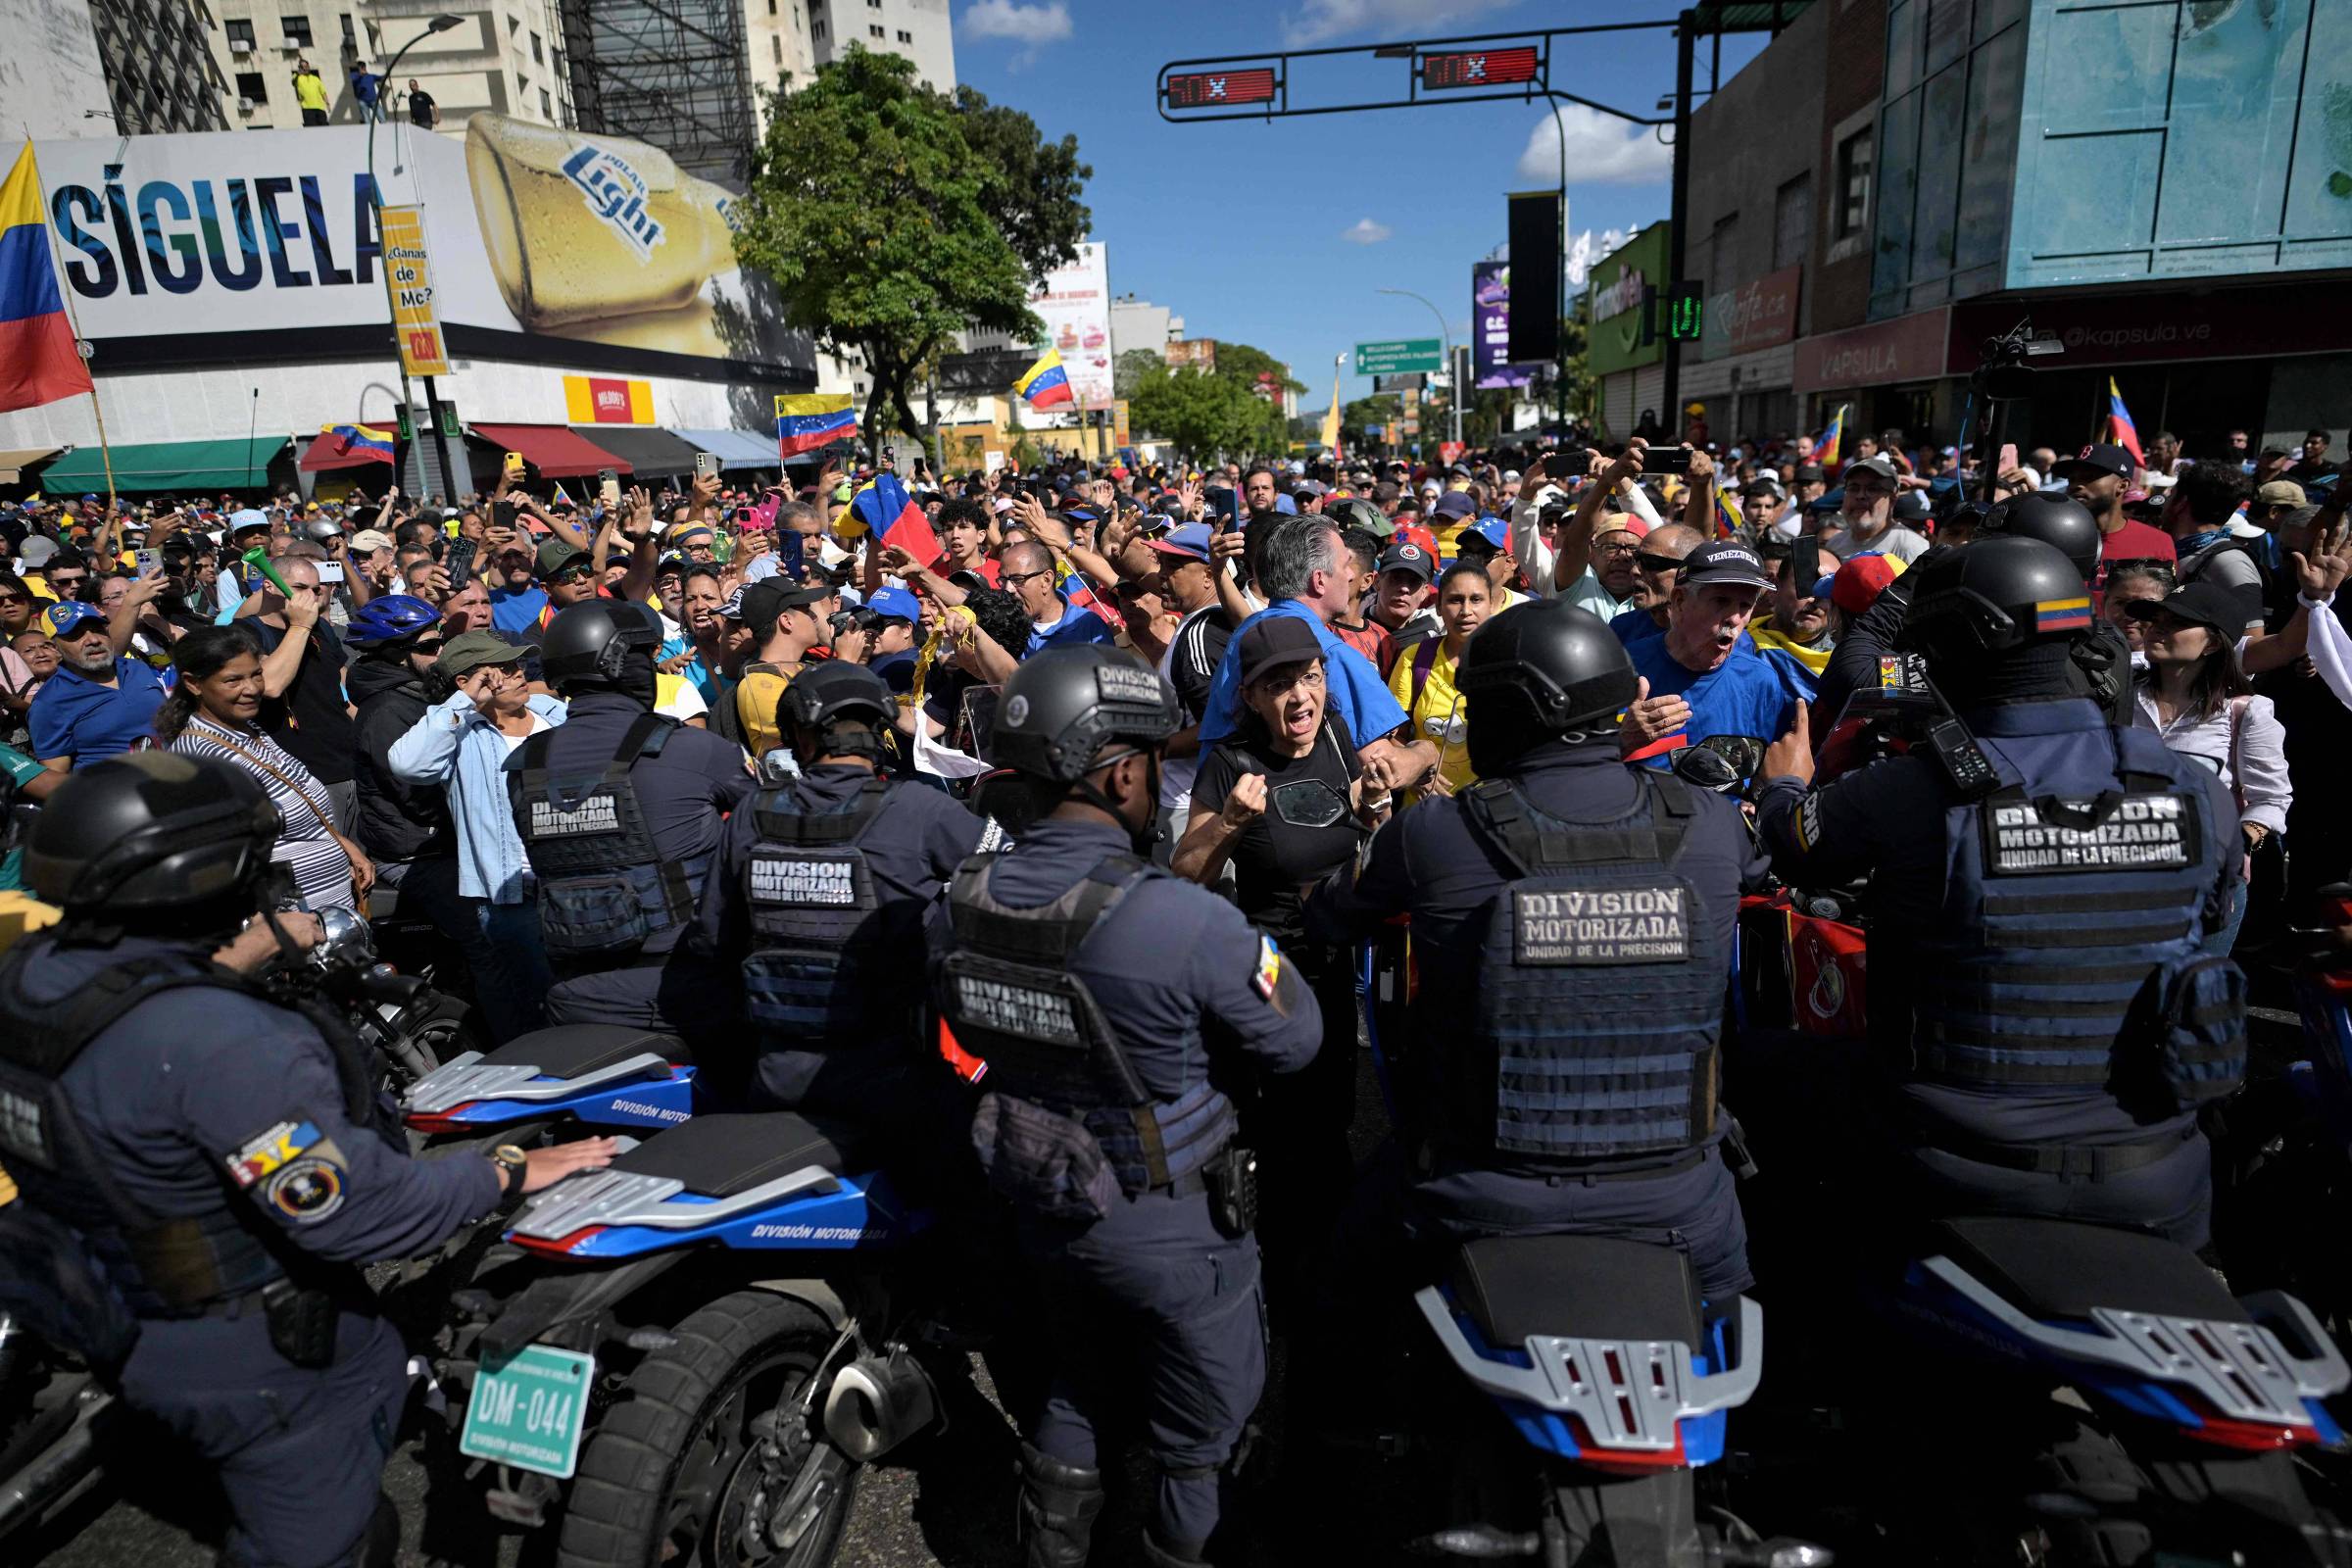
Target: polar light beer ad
(546,244)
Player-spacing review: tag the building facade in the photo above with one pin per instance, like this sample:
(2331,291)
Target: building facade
(507,58)
(158,77)
(2164,187)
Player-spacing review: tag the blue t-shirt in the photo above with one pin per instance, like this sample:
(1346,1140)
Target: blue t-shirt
(79,719)
(1637,625)
(1075,628)
(1742,696)
(1358,692)
(514,611)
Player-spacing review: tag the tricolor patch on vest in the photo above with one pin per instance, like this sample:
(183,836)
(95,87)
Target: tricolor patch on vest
(1268,974)
(270,1151)
(597,813)
(2062,615)
(2142,833)
(1024,1012)
(1603,925)
(819,883)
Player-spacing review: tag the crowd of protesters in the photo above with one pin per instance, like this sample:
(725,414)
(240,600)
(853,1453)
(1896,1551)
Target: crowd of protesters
(373,661)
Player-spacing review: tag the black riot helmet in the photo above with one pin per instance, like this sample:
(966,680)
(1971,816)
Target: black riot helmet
(1537,670)
(1995,594)
(153,838)
(2054,519)
(1064,705)
(601,644)
(845,706)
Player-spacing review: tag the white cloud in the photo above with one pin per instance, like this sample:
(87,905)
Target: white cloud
(1602,150)
(1031,24)
(1584,248)
(1367,232)
(1322,21)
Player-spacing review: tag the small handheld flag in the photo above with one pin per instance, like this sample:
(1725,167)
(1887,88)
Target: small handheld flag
(1727,515)
(39,362)
(2120,428)
(1046,382)
(883,507)
(1827,450)
(362,439)
(806,420)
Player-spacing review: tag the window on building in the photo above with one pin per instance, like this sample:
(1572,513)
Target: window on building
(547,105)
(817,30)
(349,37)
(905,36)
(1853,184)
(253,86)
(777,39)
(873,5)
(240,37)
(538,58)
(873,33)
(1720,258)
(297,30)
(1792,223)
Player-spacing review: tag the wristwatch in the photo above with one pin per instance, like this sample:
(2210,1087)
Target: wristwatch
(511,1162)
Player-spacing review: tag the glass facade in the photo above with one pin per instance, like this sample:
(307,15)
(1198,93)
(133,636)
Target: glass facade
(1947,142)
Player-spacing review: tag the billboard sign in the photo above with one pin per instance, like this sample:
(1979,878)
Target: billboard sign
(1075,305)
(1758,314)
(607,400)
(548,246)
(1620,284)
(1490,336)
(414,326)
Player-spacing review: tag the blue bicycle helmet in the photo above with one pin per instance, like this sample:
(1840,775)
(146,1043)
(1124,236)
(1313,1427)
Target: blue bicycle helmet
(388,619)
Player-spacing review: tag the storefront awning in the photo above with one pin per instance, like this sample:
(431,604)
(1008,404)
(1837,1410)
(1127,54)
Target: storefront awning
(736,449)
(556,451)
(323,454)
(650,450)
(14,464)
(233,464)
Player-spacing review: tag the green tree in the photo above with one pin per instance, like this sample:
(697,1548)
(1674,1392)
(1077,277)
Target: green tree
(1244,364)
(1206,414)
(890,217)
(1133,369)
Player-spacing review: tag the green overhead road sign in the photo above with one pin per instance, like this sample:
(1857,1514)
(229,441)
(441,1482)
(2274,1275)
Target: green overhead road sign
(1399,356)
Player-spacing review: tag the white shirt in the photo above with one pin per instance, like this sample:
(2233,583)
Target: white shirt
(2260,782)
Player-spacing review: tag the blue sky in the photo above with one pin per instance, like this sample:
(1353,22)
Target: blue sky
(1278,233)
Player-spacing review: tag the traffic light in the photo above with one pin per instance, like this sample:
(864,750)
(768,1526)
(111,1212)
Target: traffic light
(1686,311)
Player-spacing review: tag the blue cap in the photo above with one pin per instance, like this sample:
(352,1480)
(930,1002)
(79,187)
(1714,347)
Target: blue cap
(1491,530)
(1190,541)
(65,617)
(896,602)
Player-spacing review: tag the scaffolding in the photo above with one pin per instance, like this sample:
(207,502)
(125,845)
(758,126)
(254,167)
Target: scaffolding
(671,73)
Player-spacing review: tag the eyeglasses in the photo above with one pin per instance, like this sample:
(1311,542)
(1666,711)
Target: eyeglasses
(1016,578)
(1650,562)
(1629,548)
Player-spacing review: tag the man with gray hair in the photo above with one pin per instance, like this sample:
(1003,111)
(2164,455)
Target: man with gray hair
(1304,569)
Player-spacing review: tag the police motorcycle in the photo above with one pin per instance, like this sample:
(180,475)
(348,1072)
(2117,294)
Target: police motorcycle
(691,1355)
(605,1076)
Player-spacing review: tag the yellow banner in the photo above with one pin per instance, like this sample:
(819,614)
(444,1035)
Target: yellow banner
(607,400)
(413,321)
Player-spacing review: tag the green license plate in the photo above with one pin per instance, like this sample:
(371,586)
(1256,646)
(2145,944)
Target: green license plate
(530,1410)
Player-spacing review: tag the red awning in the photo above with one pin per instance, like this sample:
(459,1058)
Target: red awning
(555,451)
(322,456)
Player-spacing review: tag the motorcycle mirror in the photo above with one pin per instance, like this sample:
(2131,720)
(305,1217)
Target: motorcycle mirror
(1745,753)
(1309,803)
(1706,768)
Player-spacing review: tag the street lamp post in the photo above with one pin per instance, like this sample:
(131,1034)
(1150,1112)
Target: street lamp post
(1453,370)
(375,199)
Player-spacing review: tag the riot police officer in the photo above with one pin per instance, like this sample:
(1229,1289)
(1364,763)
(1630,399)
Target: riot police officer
(823,886)
(209,1163)
(621,811)
(1564,1071)
(1108,1002)
(2040,1028)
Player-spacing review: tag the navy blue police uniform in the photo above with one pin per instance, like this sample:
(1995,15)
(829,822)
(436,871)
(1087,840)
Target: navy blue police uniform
(2021,937)
(1571,919)
(225,1165)
(621,811)
(1102,992)
(818,900)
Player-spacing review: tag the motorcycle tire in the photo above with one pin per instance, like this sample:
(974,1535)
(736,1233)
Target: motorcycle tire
(667,1474)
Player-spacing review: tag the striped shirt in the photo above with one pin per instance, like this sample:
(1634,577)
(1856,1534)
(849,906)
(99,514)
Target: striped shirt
(321,871)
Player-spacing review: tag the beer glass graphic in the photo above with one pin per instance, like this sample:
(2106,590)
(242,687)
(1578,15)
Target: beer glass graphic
(581,228)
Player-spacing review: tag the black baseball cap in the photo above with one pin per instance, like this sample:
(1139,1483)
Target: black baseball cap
(2101,457)
(1406,557)
(1275,641)
(2227,610)
(1725,560)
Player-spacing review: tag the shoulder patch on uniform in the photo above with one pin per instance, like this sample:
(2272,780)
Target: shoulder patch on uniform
(1268,973)
(307,1191)
(1808,822)
(270,1151)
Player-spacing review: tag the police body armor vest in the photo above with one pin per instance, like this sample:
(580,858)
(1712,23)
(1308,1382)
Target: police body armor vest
(605,889)
(2068,916)
(1596,1004)
(813,918)
(1013,1003)
(163,1267)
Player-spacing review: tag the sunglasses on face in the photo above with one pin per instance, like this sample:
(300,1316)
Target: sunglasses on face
(571,574)
(16,599)
(426,645)
(1650,562)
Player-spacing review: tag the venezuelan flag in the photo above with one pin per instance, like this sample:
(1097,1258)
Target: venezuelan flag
(883,507)
(365,439)
(2062,615)
(1727,515)
(1046,382)
(39,361)
(1826,450)
(806,420)
(2120,428)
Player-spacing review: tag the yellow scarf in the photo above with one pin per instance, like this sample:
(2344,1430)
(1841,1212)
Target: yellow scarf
(1765,636)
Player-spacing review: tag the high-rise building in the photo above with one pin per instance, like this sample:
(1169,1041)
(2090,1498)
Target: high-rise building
(919,29)
(507,58)
(158,72)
